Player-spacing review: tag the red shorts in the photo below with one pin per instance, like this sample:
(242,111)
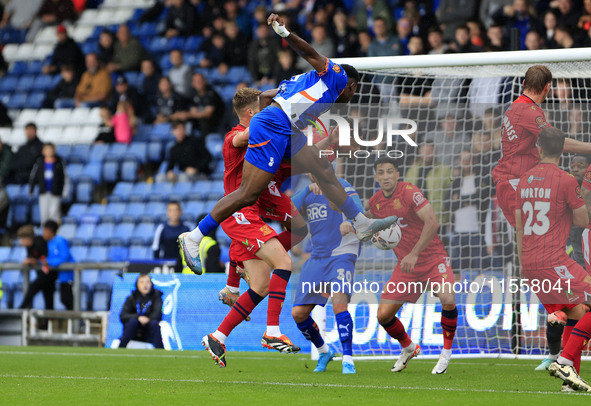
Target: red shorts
(408,287)
(248,231)
(560,287)
(507,199)
(275,205)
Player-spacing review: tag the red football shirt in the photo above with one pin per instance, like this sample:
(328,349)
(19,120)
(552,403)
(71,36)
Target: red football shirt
(547,196)
(406,200)
(521,126)
(587,185)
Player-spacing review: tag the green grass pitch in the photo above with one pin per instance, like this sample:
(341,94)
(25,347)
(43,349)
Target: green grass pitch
(92,376)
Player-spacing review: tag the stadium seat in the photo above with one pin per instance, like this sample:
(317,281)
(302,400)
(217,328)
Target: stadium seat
(4,254)
(103,233)
(74,171)
(193,58)
(121,192)
(139,150)
(161,192)
(155,212)
(9,84)
(84,233)
(118,253)
(17,101)
(129,169)
(122,233)
(114,211)
(161,132)
(43,83)
(35,214)
(133,211)
(35,100)
(111,170)
(68,231)
(20,212)
(94,213)
(79,253)
(34,67)
(140,253)
(93,171)
(17,254)
(79,153)
(98,253)
(143,234)
(85,190)
(140,192)
(80,116)
(214,146)
(89,278)
(192,210)
(155,151)
(26,83)
(193,43)
(216,190)
(98,152)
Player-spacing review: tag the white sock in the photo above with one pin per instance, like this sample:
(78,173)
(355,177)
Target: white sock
(221,337)
(411,347)
(553,356)
(564,361)
(196,235)
(273,331)
(347,359)
(232,289)
(360,219)
(323,349)
(446,352)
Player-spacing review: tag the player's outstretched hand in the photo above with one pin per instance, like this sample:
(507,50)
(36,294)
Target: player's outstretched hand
(346,228)
(408,263)
(314,188)
(278,25)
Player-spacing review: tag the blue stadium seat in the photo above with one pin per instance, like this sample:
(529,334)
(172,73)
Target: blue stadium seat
(118,253)
(158,45)
(13,191)
(123,233)
(4,253)
(214,146)
(111,170)
(193,58)
(76,212)
(102,289)
(216,190)
(17,101)
(133,211)
(155,151)
(117,151)
(85,190)
(147,30)
(98,253)
(143,234)
(89,278)
(161,132)
(155,212)
(113,211)
(42,82)
(80,153)
(98,152)
(34,67)
(74,171)
(9,84)
(26,83)
(122,191)
(161,191)
(103,233)
(17,68)
(192,210)
(20,212)
(35,100)
(237,74)
(129,169)
(139,150)
(63,150)
(200,188)
(93,171)
(140,192)
(68,231)
(35,214)
(17,254)
(84,233)
(142,132)
(180,191)
(139,253)
(94,213)
(79,253)
(223,238)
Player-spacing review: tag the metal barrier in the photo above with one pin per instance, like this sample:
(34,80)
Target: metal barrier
(86,328)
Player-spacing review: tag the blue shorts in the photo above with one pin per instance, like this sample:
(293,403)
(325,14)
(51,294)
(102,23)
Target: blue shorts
(272,139)
(320,274)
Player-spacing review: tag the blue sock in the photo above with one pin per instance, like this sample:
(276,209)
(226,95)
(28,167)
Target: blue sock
(349,208)
(309,329)
(207,225)
(345,326)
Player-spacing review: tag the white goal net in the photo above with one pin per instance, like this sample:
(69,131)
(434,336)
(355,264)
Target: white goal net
(457,102)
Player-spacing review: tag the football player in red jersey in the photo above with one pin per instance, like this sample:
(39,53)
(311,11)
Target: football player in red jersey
(422,260)
(549,201)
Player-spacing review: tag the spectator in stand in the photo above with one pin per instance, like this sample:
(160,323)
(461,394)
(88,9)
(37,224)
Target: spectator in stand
(215,50)
(52,12)
(433,178)
(373,9)
(123,122)
(384,43)
(141,314)
(166,234)
(567,14)
(45,282)
(106,133)
(496,38)
(491,124)
(488,7)
(467,199)
(66,52)
(149,82)
(206,107)
(462,43)
(476,29)
(520,15)
(19,14)
(485,157)
(364,41)
(416,46)
(404,31)
(125,92)
(533,41)
(345,38)
(322,43)
(180,73)
(25,157)
(563,37)
(128,52)
(436,43)
(168,102)
(449,140)
(188,155)
(106,47)
(181,19)
(95,85)
(585,19)
(58,252)
(62,95)
(285,68)
(49,175)
(262,55)
(5,160)
(453,13)
(235,52)
(233,13)
(550,23)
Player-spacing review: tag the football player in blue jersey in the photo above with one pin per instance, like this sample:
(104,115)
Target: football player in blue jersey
(328,271)
(275,134)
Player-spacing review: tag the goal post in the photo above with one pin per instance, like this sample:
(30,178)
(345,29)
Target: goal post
(457,102)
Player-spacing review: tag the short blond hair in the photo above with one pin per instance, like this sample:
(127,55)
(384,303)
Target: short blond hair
(245,98)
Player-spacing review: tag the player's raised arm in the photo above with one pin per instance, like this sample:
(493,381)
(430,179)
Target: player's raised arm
(576,147)
(266,98)
(301,47)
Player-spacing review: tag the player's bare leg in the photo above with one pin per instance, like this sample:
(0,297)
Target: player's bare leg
(308,158)
(254,182)
(449,320)
(215,343)
(387,318)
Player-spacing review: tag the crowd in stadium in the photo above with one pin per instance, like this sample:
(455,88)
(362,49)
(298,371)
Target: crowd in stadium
(170,72)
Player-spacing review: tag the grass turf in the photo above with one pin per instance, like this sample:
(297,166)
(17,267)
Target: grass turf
(90,376)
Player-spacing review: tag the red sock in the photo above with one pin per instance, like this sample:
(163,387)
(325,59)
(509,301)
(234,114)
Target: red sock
(277,288)
(570,323)
(242,308)
(233,277)
(449,321)
(397,331)
(289,240)
(578,339)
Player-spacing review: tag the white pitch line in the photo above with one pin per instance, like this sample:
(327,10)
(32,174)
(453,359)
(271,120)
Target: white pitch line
(289,384)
